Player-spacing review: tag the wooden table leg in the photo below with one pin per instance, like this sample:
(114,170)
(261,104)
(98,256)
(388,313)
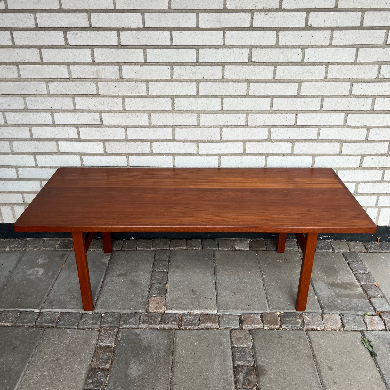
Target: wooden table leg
(82,268)
(107,242)
(281,242)
(307,265)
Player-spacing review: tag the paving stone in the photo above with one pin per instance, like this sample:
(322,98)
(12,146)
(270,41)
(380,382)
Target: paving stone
(4,244)
(365,278)
(337,289)
(126,284)
(242,356)
(202,360)
(129,320)
(353,322)
(344,362)
(358,267)
(228,321)
(69,320)
(208,321)
(90,321)
(27,318)
(160,243)
(284,360)
(96,379)
(271,320)
(190,321)
(156,305)
(281,272)
(157,290)
(150,320)
(332,321)
(239,283)
(178,244)
(48,319)
(290,321)
(129,245)
(386,319)
(35,273)
(110,319)
(16,346)
(17,245)
(374,323)
(380,304)
(245,377)
(8,261)
(372,291)
(191,285)
(355,246)
(312,321)
(8,317)
(379,266)
(144,244)
(49,243)
(194,244)
(270,245)
(324,246)
(169,321)
(340,246)
(385,245)
(96,245)
(161,255)
(117,245)
(65,293)
(34,244)
(257,245)
(351,257)
(241,338)
(209,244)
(241,244)
(65,244)
(160,265)
(61,360)
(102,357)
(159,277)
(251,321)
(372,247)
(291,245)
(381,345)
(226,244)
(142,360)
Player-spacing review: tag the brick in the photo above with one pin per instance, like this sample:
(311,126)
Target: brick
(334,19)
(171,55)
(125,118)
(88,4)
(198,104)
(271,119)
(300,72)
(246,72)
(330,55)
(358,37)
(308,4)
(36,173)
(363,4)
(33,4)
(174,147)
(142,4)
(382,104)
(172,88)
(244,133)
(34,146)
(196,38)
(54,132)
(11,103)
(43,71)
(80,147)
(69,118)
(317,147)
(352,71)
(360,175)
(19,55)
(222,119)
(273,89)
(105,161)
(221,148)
(98,103)
(196,161)
(102,133)
(20,118)
(385,71)
(145,38)
(365,148)
(122,88)
(4,147)
(197,72)
(268,147)
(343,133)
(94,72)
(127,147)
(246,38)
(8,72)
(373,55)
(13,20)
(376,161)
(243,104)
(296,104)
(145,104)
(151,161)
(325,88)
(116,20)
(320,119)
(118,55)
(8,173)
(379,134)
(11,198)
(47,38)
(5,38)
(170,20)
(294,133)
(347,104)
(94,38)
(252,4)
(276,55)
(337,161)
(22,88)
(226,88)
(57,160)
(279,19)
(218,20)
(303,38)
(62,19)
(157,133)
(197,4)
(376,18)
(140,72)
(368,119)
(66,55)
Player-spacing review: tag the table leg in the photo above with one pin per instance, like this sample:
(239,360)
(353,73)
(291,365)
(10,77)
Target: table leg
(281,242)
(82,269)
(107,242)
(307,265)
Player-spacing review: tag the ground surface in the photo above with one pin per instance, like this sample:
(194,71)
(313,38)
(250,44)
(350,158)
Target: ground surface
(195,314)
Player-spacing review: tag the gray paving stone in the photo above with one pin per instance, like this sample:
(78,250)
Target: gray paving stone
(117,245)
(386,319)
(374,323)
(144,244)
(358,267)
(344,363)
(281,273)
(160,243)
(191,284)
(9,317)
(4,244)
(96,245)
(129,320)
(159,277)
(373,247)
(156,305)
(65,293)
(239,283)
(257,245)
(194,244)
(190,321)
(50,243)
(32,279)
(241,244)
(107,337)
(90,321)
(271,320)
(110,319)
(291,245)
(291,321)
(332,321)
(228,321)
(366,278)
(324,246)
(226,244)
(351,257)
(102,357)
(150,320)
(245,377)
(8,261)
(241,338)
(270,245)
(160,265)
(161,255)
(65,244)
(284,360)
(355,246)
(16,346)
(340,246)
(142,360)
(48,319)
(96,379)
(381,345)
(251,321)
(129,245)
(17,245)
(202,360)
(126,284)
(27,318)
(336,287)
(61,360)
(157,290)
(379,266)
(169,321)
(178,244)
(372,291)
(312,321)
(69,320)
(380,304)
(209,244)
(242,356)
(208,321)
(353,322)
(385,245)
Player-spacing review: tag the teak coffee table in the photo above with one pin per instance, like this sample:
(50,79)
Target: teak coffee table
(302,201)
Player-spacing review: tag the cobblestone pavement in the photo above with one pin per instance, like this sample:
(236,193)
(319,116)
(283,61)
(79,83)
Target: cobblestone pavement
(194,314)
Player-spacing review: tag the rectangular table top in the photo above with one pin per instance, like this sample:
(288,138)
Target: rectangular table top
(297,200)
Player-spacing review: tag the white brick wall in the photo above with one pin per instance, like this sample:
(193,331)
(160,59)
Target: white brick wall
(195,83)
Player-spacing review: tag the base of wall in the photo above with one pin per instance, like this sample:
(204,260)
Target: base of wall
(382,234)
